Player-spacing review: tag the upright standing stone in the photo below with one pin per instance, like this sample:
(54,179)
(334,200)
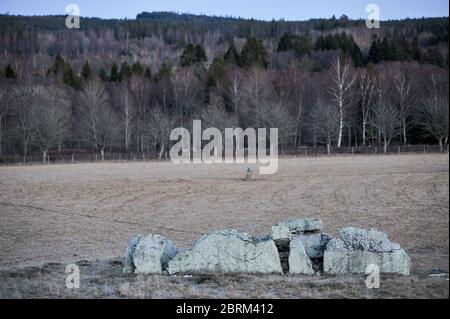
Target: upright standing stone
(129,263)
(152,254)
(299,262)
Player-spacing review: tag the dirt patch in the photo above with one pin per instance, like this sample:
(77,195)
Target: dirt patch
(66,213)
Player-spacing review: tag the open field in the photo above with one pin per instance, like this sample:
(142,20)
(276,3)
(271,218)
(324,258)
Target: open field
(67,213)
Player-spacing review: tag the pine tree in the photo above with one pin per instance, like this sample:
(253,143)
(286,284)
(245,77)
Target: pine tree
(302,46)
(200,54)
(386,51)
(217,71)
(102,75)
(69,78)
(254,53)
(433,56)
(148,73)
(86,72)
(137,68)
(114,74)
(9,72)
(416,51)
(375,51)
(188,55)
(193,54)
(164,71)
(285,43)
(231,56)
(59,64)
(125,71)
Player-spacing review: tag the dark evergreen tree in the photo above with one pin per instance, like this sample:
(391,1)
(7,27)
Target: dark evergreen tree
(200,54)
(386,51)
(137,68)
(193,54)
(148,73)
(58,65)
(86,72)
(375,51)
(114,74)
(285,43)
(164,71)
(217,71)
(125,71)
(416,51)
(231,56)
(9,72)
(188,55)
(253,53)
(302,46)
(433,56)
(102,75)
(69,78)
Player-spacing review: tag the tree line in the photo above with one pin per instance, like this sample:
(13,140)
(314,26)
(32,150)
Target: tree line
(127,96)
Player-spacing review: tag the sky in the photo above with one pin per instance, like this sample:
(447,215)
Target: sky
(258,9)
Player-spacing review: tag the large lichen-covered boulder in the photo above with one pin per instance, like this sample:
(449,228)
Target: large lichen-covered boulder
(362,248)
(288,229)
(152,254)
(129,267)
(228,251)
(368,240)
(314,243)
(299,262)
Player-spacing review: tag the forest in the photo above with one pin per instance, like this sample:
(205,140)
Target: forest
(123,85)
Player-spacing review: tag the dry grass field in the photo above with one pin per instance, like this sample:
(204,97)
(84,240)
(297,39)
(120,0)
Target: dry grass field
(58,214)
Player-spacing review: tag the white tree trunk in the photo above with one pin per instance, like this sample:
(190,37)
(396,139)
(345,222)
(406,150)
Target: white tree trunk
(341,125)
(364,133)
(161,152)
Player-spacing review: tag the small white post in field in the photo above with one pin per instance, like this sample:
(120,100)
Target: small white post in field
(248,174)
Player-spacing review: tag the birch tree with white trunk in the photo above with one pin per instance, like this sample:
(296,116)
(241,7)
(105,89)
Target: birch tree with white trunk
(127,111)
(406,101)
(341,90)
(367,93)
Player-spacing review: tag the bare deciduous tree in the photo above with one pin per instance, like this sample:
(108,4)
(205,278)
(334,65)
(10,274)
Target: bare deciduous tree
(50,118)
(434,115)
(326,119)
(21,100)
(215,115)
(405,100)
(233,89)
(4,109)
(97,119)
(367,92)
(343,80)
(127,113)
(387,120)
(160,124)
